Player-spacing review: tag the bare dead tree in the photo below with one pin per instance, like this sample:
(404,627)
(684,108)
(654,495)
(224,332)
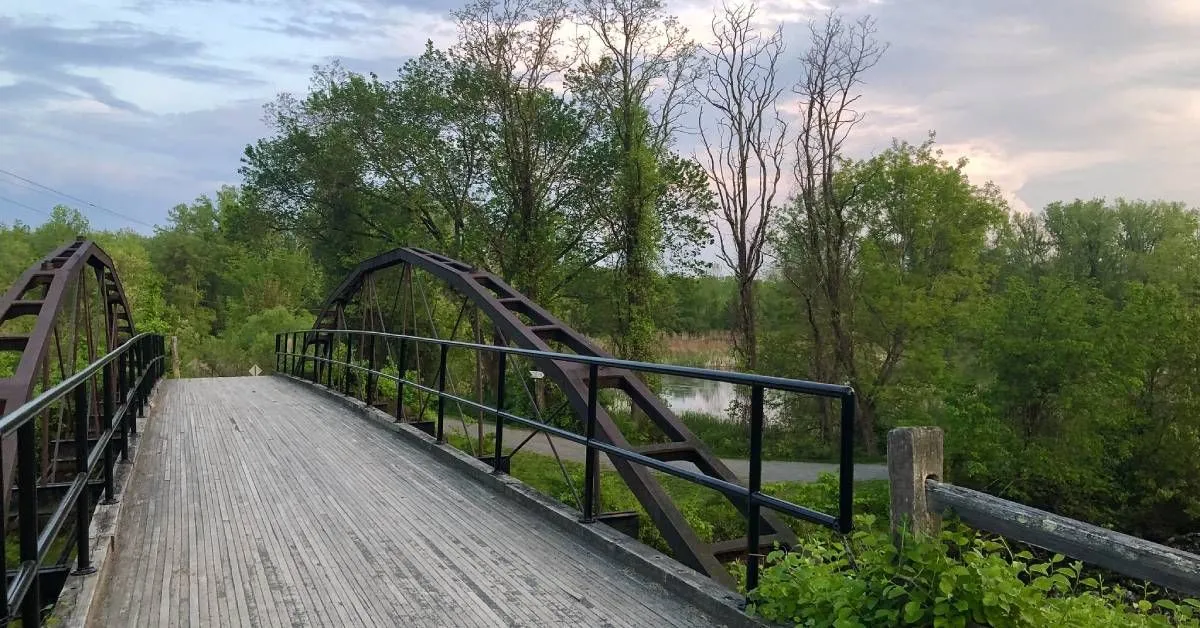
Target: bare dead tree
(636,55)
(820,246)
(744,146)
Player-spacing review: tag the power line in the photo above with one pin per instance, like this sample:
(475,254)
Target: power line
(20,204)
(76,198)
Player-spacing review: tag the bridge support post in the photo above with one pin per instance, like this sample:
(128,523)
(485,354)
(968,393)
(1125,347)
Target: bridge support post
(914,454)
(498,465)
(83,510)
(591,475)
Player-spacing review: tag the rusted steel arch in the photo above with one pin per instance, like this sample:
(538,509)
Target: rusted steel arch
(502,304)
(42,292)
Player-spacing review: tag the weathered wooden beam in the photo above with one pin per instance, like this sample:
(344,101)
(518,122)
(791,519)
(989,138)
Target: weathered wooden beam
(914,454)
(1134,557)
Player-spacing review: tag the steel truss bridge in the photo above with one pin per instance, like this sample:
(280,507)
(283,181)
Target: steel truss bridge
(368,481)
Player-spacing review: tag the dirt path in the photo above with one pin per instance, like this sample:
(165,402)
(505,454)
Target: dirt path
(772,470)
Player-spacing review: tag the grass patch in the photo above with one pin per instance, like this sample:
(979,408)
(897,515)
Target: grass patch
(708,350)
(707,511)
(731,439)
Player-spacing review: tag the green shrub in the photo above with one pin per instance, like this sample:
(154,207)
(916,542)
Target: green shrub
(955,579)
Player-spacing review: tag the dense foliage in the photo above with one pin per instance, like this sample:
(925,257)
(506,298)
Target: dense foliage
(1059,350)
(222,292)
(956,580)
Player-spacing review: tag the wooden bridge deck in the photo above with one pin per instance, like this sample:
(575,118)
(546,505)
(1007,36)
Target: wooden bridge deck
(256,502)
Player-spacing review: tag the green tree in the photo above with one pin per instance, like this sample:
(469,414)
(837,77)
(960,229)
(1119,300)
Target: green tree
(645,61)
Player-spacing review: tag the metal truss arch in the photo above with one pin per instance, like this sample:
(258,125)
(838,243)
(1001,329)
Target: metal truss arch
(525,324)
(30,313)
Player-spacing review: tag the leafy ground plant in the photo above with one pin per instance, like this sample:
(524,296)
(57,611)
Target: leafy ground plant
(957,579)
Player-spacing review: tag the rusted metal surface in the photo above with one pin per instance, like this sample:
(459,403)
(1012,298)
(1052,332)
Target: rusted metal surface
(506,308)
(56,285)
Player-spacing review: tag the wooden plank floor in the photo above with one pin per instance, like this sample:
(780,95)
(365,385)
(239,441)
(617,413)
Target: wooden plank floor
(256,502)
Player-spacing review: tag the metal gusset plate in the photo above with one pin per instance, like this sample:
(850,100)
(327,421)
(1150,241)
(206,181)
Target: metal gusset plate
(525,324)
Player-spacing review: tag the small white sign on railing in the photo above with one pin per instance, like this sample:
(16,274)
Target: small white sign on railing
(255,371)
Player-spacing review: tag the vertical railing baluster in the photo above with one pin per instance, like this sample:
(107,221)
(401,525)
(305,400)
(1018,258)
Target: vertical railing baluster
(122,391)
(329,346)
(83,511)
(3,539)
(752,507)
(139,366)
(401,358)
(846,472)
(372,366)
(106,427)
(131,412)
(277,356)
(499,461)
(441,434)
(591,479)
(346,367)
(27,517)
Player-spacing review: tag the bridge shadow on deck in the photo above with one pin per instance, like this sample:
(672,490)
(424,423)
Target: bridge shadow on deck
(259,502)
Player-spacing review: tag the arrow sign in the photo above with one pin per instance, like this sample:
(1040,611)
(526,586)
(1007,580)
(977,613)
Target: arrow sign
(255,371)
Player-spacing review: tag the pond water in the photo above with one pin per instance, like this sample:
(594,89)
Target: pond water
(684,394)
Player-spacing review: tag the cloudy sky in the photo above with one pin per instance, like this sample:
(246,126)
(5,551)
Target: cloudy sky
(138,105)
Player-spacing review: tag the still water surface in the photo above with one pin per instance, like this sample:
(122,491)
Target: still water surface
(684,394)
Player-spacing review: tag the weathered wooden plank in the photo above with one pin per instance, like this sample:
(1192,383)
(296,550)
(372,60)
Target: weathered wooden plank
(1113,550)
(258,503)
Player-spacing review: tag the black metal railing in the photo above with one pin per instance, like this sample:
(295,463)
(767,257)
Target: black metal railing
(750,496)
(125,376)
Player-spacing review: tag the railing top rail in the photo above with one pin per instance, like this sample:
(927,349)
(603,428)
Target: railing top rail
(26,412)
(746,379)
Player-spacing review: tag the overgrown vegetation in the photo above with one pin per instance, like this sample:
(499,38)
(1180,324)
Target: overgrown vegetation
(865,580)
(958,579)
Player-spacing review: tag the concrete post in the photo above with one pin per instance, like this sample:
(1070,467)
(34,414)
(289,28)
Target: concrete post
(914,454)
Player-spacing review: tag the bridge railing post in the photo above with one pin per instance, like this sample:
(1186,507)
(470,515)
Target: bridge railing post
(372,366)
(130,399)
(83,510)
(4,611)
(27,517)
(106,425)
(400,362)
(591,478)
(914,454)
(140,364)
(497,465)
(346,376)
(754,485)
(277,356)
(441,434)
(329,362)
(122,391)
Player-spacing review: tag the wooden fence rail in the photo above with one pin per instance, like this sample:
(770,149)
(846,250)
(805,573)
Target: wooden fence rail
(920,496)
